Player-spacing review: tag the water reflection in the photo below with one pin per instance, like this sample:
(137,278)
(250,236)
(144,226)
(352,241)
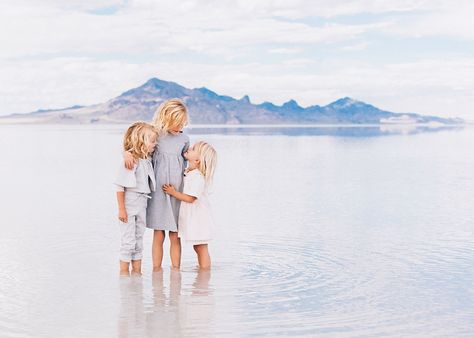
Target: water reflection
(326,236)
(347,131)
(132,315)
(198,306)
(170,311)
(163,317)
(201,283)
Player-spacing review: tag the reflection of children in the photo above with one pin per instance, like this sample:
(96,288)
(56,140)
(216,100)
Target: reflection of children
(169,164)
(195,220)
(164,315)
(133,187)
(131,318)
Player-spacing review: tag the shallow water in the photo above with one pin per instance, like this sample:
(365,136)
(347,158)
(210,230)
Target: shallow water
(345,235)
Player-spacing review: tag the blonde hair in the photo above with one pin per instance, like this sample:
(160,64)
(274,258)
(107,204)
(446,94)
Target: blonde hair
(170,113)
(207,159)
(137,138)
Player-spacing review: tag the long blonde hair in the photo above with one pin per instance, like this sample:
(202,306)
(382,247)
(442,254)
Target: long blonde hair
(170,113)
(137,138)
(207,160)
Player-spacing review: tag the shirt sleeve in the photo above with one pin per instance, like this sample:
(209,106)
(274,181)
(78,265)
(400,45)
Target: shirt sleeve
(125,177)
(194,185)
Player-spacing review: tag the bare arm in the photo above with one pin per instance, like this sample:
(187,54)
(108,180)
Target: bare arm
(121,206)
(170,190)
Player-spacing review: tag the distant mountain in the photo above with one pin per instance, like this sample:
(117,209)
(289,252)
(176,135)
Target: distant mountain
(208,107)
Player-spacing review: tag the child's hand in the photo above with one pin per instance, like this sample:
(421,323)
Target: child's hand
(169,189)
(129,160)
(123,217)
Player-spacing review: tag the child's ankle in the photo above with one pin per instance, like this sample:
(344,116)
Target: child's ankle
(124,273)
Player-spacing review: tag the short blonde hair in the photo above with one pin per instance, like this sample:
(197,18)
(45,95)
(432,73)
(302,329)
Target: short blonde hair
(170,113)
(137,137)
(207,159)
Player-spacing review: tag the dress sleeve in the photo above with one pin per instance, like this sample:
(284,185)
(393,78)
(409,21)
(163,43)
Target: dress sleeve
(185,149)
(194,185)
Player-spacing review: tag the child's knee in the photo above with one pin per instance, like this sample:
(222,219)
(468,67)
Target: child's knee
(174,238)
(200,247)
(159,236)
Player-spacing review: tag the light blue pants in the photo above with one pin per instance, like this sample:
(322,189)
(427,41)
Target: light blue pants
(131,247)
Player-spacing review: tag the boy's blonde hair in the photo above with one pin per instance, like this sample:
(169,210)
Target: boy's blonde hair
(169,114)
(207,159)
(137,138)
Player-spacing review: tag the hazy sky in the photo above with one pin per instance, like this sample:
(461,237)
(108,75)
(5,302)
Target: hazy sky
(402,56)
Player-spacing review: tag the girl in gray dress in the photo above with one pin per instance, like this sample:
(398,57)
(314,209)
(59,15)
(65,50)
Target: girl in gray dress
(169,165)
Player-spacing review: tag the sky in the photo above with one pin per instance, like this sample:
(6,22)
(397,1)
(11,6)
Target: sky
(401,56)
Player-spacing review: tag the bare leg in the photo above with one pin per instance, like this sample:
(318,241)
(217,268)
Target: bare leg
(124,268)
(157,249)
(137,267)
(175,250)
(204,259)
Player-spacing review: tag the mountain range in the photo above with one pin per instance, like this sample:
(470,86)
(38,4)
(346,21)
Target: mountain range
(208,107)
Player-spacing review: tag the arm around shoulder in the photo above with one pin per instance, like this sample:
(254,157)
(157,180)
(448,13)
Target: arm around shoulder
(129,161)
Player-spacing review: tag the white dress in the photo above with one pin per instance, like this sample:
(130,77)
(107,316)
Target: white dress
(195,219)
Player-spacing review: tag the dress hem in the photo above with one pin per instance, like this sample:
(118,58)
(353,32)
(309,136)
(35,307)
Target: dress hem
(165,229)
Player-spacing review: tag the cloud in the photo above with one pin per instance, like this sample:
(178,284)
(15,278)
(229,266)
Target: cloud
(356,47)
(285,50)
(441,19)
(214,29)
(297,9)
(156,27)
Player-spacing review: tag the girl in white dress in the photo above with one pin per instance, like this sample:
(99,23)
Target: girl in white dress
(195,219)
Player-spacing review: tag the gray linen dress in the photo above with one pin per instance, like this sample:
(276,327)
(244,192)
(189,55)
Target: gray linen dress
(169,164)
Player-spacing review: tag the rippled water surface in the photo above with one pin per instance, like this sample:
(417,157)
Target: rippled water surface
(348,235)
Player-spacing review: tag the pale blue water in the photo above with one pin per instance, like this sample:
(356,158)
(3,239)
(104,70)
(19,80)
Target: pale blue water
(366,233)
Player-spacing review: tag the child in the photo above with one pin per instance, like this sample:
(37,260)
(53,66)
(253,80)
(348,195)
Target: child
(169,165)
(133,187)
(195,220)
